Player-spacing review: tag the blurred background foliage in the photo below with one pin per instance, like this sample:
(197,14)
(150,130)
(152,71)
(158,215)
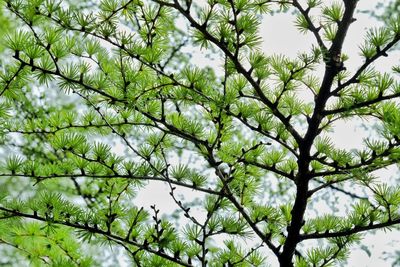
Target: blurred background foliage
(5,23)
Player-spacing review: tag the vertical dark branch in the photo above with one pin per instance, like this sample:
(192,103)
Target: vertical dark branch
(333,66)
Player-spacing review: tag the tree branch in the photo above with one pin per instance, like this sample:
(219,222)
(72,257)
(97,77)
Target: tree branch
(356,229)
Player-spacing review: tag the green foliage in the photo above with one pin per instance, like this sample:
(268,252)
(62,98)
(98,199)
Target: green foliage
(99,100)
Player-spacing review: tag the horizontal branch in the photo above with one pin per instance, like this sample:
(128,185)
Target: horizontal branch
(360,104)
(331,185)
(356,229)
(269,168)
(40,178)
(95,230)
(76,126)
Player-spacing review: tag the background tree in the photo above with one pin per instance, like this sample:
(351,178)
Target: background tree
(99,99)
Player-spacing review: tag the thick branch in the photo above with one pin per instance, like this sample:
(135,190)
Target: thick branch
(332,68)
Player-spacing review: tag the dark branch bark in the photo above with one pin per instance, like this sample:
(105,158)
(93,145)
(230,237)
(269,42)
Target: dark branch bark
(332,68)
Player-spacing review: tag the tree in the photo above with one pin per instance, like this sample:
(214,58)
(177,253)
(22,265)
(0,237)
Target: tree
(83,78)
